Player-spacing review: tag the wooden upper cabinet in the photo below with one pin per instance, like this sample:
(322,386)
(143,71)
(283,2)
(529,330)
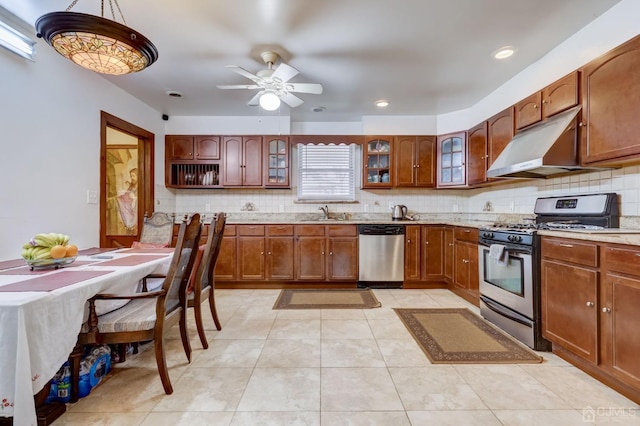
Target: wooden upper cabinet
(451,159)
(414,161)
(477,154)
(179,147)
(206,147)
(500,131)
(610,105)
(276,161)
(242,161)
(555,98)
(377,167)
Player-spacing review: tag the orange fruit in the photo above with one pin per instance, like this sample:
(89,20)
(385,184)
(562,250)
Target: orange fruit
(58,251)
(72,250)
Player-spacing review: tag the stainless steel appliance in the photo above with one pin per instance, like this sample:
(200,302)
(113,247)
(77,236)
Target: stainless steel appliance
(399,212)
(509,260)
(380,255)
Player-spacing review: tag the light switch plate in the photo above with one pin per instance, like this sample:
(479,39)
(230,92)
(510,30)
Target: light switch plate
(92,197)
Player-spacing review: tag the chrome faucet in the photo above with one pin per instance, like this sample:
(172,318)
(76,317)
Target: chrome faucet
(325,210)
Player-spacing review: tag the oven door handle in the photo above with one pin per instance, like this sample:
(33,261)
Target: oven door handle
(502,311)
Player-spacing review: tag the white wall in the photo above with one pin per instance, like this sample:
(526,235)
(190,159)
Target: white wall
(50,138)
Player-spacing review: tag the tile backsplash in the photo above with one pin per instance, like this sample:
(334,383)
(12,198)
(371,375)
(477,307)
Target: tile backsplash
(517,197)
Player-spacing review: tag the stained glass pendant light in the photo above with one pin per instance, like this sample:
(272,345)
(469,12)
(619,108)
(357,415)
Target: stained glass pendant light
(97,43)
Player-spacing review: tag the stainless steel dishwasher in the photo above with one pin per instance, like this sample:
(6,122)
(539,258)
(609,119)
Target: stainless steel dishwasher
(380,256)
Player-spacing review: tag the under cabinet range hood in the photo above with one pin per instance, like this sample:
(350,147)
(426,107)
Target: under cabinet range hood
(541,151)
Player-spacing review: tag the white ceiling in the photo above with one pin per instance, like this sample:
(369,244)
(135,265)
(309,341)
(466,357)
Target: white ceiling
(425,56)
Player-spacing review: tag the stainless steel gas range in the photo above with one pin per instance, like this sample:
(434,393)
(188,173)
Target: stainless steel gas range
(509,260)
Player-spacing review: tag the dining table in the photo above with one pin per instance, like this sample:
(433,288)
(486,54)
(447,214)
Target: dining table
(42,310)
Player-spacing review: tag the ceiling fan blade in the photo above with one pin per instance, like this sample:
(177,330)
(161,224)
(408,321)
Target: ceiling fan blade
(256,99)
(237,86)
(313,88)
(244,73)
(284,73)
(291,100)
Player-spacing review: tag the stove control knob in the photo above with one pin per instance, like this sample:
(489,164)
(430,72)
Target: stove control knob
(518,238)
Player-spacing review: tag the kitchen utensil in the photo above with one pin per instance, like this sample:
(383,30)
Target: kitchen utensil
(399,212)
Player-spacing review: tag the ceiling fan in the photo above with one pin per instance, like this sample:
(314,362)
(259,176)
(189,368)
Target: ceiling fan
(273,84)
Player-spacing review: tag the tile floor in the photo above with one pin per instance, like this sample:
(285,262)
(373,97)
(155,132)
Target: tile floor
(338,367)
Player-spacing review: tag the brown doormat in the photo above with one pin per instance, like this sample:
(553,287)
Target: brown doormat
(458,336)
(327,299)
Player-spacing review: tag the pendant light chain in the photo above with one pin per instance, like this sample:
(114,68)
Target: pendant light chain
(113,14)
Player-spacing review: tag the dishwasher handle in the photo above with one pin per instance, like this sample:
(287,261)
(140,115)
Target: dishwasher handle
(380,229)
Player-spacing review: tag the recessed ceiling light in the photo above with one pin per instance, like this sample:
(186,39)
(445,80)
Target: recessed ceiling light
(504,52)
(381,103)
(319,109)
(173,94)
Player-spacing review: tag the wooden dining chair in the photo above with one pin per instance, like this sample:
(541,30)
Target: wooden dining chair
(148,316)
(202,281)
(157,230)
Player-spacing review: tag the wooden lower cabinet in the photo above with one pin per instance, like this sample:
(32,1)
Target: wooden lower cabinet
(448,254)
(251,249)
(591,308)
(465,282)
(326,253)
(424,256)
(279,258)
(226,263)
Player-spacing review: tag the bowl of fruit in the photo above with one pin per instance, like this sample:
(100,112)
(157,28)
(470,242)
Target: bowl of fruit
(50,250)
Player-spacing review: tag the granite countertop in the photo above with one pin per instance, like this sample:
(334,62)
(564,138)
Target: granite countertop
(617,236)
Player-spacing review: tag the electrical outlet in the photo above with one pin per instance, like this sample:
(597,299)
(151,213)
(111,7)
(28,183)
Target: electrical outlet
(512,206)
(281,208)
(455,207)
(365,208)
(207,207)
(391,204)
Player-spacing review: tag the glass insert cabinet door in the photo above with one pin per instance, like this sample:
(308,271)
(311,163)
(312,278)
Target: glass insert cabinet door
(452,153)
(277,166)
(377,163)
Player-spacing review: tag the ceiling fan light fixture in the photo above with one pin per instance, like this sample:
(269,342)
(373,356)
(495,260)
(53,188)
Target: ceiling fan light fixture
(96,43)
(269,101)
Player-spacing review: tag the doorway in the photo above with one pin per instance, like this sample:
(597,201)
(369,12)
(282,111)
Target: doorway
(126,180)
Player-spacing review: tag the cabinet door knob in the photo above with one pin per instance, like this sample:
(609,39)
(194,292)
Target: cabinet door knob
(535,106)
(330,253)
(269,253)
(606,310)
(581,124)
(261,253)
(322,253)
(591,304)
(544,101)
(426,242)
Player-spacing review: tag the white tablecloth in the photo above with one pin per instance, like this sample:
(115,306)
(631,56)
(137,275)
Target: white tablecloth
(38,330)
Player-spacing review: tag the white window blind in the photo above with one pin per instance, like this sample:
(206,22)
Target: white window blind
(326,172)
(14,40)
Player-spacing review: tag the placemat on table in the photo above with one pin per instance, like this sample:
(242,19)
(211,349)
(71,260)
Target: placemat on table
(96,250)
(26,270)
(53,281)
(131,260)
(13,263)
(149,250)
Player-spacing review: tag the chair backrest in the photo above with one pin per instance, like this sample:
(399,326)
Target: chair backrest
(206,269)
(158,229)
(175,282)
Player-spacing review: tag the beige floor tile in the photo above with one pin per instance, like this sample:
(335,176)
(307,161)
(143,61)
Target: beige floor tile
(230,353)
(206,389)
(359,389)
(455,418)
(295,329)
(434,388)
(288,418)
(351,353)
(402,353)
(383,313)
(282,389)
(510,387)
(342,329)
(365,418)
(541,417)
(337,314)
(389,329)
(188,419)
(245,329)
(299,314)
(290,353)
(91,419)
